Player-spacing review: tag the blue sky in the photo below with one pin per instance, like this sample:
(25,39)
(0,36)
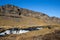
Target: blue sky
(49,7)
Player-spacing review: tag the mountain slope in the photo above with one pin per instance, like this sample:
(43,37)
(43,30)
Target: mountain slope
(13,16)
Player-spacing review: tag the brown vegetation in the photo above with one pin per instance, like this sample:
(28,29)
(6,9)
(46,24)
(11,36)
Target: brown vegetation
(12,16)
(49,36)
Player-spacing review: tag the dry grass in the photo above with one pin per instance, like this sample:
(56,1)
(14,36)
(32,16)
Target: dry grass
(26,22)
(33,35)
(22,22)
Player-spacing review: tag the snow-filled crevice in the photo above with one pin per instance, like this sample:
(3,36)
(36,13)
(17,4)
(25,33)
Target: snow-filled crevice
(19,31)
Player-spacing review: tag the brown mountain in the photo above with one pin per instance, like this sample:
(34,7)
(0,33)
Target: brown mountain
(13,16)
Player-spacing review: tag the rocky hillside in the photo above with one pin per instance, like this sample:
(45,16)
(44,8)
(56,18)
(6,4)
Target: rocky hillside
(11,15)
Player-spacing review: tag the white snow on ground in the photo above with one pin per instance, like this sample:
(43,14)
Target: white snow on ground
(23,31)
(16,31)
(39,28)
(7,32)
(2,33)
